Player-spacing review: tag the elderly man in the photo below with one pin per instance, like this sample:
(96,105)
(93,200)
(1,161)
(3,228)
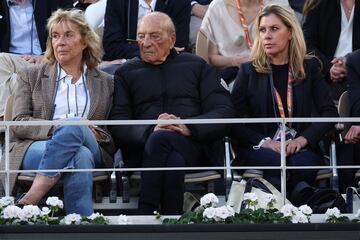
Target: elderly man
(164,84)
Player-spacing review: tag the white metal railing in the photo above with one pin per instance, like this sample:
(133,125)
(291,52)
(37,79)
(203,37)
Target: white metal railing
(282,121)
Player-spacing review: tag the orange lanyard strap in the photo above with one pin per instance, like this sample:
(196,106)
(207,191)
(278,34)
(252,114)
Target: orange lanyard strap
(289,96)
(243,22)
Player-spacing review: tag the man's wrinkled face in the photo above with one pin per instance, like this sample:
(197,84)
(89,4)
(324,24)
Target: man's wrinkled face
(155,41)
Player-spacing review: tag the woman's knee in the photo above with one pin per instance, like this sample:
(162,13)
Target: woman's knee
(84,159)
(305,158)
(263,157)
(33,155)
(71,131)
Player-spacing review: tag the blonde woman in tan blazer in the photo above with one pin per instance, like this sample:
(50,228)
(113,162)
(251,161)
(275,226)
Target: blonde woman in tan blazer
(67,86)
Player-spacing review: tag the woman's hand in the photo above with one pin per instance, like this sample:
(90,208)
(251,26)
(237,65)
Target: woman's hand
(237,61)
(295,145)
(291,146)
(199,10)
(272,144)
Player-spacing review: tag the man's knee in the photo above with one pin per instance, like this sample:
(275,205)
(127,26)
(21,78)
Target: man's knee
(161,139)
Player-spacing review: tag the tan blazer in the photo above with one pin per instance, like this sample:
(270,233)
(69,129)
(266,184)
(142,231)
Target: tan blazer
(33,101)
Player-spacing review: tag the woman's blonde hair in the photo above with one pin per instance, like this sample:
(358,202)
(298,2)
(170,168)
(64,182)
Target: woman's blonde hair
(297,46)
(92,53)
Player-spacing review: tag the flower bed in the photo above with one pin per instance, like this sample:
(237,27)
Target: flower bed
(207,213)
(30,214)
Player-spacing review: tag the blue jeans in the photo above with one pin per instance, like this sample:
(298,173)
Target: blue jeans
(71,147)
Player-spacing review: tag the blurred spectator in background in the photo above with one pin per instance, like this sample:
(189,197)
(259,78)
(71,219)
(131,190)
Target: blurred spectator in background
(308,6)
(83,4)
(330,31)
(298,6)
(23,34)
(95,14)
(198,10)
(349,152)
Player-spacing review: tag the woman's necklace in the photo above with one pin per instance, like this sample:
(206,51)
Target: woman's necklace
(348,7)
(243,21)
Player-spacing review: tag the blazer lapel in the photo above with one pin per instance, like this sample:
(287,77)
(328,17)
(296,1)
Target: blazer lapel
(264,80)
(356,25)
(93,83)
(48,81)
(132,15)
(298,101)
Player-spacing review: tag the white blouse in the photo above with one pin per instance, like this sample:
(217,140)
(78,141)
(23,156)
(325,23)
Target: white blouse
(345,44)
(72,100)
(226,33)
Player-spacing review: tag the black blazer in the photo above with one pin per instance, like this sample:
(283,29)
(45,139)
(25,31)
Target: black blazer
(121,24)
(322,29)
(42,11)
(203,2)
(353,78)
(250,98)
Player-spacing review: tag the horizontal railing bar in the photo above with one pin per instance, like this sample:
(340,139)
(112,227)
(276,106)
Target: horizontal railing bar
(179,121)
(180,169)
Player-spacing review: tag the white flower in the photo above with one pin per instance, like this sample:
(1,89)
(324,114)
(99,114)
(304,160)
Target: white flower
(45,211)
(209,199)
(12,212)
(231,210)
(251,197)
(72,218)
(305,209)
(123,219)
(30,211)
(267,201)
(288,210)
(222,213)
(94,216)
(299,217)
(54,202)
(268,198)
(6,201)
(332,212)
(357,215)
(209,213)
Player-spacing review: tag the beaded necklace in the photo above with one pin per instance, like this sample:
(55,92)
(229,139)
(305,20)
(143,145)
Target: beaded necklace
(243,21)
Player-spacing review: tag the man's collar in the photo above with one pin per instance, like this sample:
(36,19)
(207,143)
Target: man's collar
(145,5)
(172,54)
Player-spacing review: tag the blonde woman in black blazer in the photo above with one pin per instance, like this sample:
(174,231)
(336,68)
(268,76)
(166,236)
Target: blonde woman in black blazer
(280,69)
